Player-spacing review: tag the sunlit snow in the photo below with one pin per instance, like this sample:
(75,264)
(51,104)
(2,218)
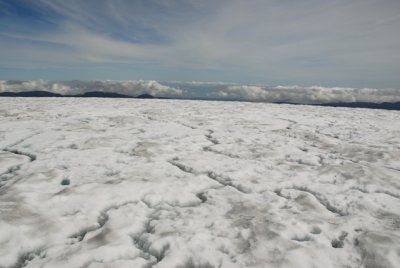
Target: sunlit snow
(170,183)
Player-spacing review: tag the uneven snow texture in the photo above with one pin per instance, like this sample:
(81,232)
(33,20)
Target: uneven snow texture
(164,183)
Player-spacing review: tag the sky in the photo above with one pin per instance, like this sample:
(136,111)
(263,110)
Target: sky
(333,43)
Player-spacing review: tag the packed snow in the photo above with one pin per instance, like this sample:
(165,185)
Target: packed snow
(173,183)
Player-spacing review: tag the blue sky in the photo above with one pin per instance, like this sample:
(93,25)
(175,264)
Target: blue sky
(310,42)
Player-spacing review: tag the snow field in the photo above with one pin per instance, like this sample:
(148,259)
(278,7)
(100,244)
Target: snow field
(167,183)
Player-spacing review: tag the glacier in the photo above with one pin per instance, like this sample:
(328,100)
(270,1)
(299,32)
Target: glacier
(179,183)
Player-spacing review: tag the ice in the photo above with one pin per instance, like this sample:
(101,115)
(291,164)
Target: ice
(174,183)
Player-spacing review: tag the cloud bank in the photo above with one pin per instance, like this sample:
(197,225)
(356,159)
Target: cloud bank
(130,87)
(307,95)
(210,90)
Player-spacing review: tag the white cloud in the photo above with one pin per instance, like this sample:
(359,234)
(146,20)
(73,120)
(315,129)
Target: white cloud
(130,87)
(314,94)
(211,90)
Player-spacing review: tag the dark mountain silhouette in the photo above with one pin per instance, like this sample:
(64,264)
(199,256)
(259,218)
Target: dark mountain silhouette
(90,94)
(145,96)
(37,93)
(100,94)
(369,105)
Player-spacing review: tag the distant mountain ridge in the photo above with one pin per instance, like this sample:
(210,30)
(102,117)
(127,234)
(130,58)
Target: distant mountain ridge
(36,93)
(102,94)
(90,94)
(365,105)
(99,94)
(368,105)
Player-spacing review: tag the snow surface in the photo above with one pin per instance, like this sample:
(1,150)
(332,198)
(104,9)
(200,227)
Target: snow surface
(168,183)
